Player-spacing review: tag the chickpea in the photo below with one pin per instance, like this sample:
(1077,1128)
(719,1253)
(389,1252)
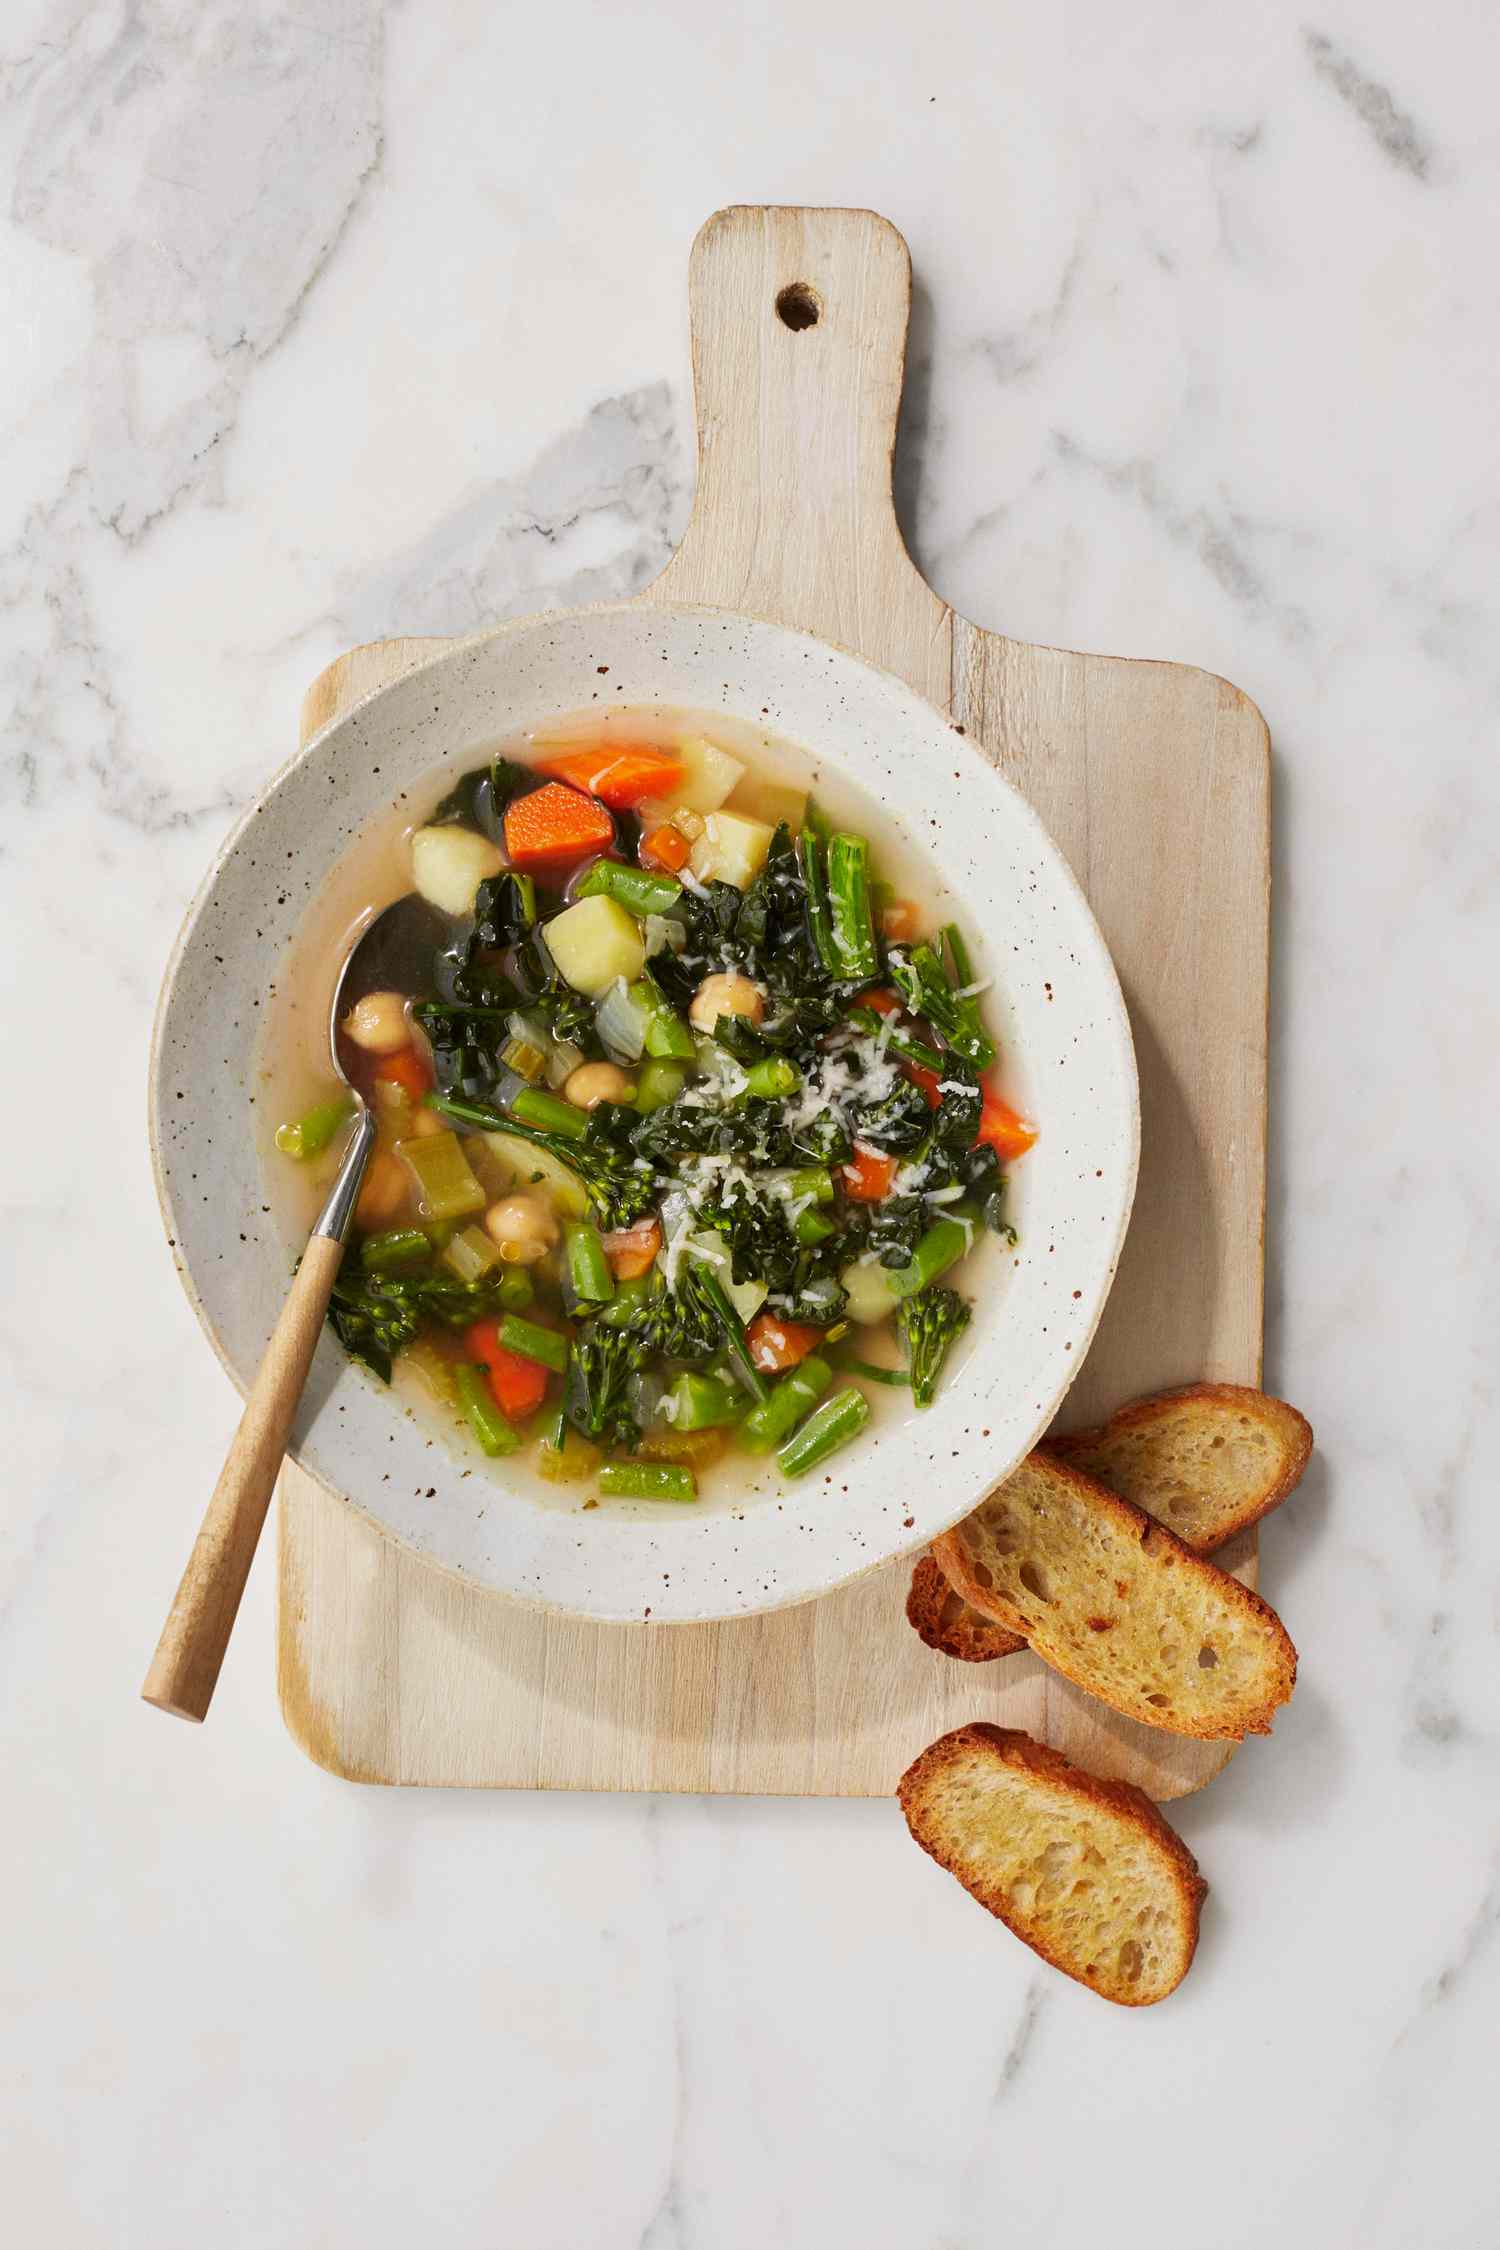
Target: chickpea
(378,1023)
(382,1191)
(728,994)
(592,1083)
(523,1227)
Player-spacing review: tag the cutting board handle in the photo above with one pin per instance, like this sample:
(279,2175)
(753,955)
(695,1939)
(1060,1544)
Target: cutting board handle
(799,322)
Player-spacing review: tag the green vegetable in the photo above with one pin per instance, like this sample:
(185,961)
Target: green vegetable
(620,1188)
(630,1299)
(546,1113)
(733,1330)
(812,1227)
(312,1133)
(940,1247)
(772,1080)
(815,883)
(375,1316)
(796,1394)
(586,1266)
(396,1251)
(596,1393)
(852,924)
(837,1421)
(477,1405)
(526,1059)
(659,1083)
(646,1480)
(470,1253)
(702,1402)
(930,1321)
(814,1180)
(928,990)
(641,892)
(894,1377)
(544,1345)
(447,1186)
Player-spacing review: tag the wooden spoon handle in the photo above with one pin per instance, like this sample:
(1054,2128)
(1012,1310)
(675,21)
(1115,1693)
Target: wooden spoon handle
(185,1669)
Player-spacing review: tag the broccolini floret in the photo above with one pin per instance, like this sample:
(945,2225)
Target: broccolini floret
(930,1321)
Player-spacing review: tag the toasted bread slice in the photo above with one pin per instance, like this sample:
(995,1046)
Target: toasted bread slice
(1116,1603)
(1085,1872)
(945,1621)
(1207,1461)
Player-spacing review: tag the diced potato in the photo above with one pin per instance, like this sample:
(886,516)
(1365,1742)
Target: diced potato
(528,1166)
(709,774)
(871,1297)
(770,801)
(731,849)
(593,942)
(747,1297)
(449,864)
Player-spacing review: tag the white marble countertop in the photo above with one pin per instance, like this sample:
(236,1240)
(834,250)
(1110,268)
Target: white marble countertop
(326,321)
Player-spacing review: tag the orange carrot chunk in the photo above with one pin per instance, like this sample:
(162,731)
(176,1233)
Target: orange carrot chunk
(405,1069)
(633,1250)
(622,773)
(555,827)
(1003,1129)
(868,1175)
(519,1385)
(665,847)
(776,1345)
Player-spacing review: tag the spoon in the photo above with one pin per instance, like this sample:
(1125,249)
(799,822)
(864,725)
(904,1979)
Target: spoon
(185,1669)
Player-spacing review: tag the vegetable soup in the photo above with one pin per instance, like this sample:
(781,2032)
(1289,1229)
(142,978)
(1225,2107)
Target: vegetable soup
(689,1122)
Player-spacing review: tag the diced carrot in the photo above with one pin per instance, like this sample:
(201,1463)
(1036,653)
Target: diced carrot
(868,1175)
(883,1001)
(555,827)
(665,847)
(1004,1129)
(633,1250)
(928,1080)
(622,773)
(519,1385)
(405,1069)
(776,1345)
(898,920)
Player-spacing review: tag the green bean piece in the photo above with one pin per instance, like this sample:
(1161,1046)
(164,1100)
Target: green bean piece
(773,1079)
(477,1405)
(545,1113)
(587,1268)
(814,1180)
(532,1341)
(514,1289)
(852,924)
(628,1298)
(398,1250)
(639,892)
(944,1243)
(668,1038)
(837,1421)
(312,1133)
(815,882)
(813,1227)
(659,1083)
(797,1393)
(646,1480)
(704,1402)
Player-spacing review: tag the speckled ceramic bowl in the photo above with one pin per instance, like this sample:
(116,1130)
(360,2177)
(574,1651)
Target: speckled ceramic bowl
(1058,1003)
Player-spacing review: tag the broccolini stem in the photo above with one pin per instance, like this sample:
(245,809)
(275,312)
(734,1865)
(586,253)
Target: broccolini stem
(852,922)
(646,1480)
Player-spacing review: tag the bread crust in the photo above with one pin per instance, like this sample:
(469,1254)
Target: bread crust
(1165,1551)
(946,1622)
(1022,1754)
(1293,1432)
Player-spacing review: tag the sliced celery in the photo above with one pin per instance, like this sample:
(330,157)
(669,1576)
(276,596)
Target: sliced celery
(445,1183)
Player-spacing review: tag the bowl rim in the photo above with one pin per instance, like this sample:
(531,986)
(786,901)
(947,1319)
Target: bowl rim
(443,649)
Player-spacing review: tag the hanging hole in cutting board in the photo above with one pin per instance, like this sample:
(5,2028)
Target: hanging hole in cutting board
(798,305)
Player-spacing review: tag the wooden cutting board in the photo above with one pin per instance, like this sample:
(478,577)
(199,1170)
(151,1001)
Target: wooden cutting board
(1153,778)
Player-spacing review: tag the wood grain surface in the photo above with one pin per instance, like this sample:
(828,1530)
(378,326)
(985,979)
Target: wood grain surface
(1153,779)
